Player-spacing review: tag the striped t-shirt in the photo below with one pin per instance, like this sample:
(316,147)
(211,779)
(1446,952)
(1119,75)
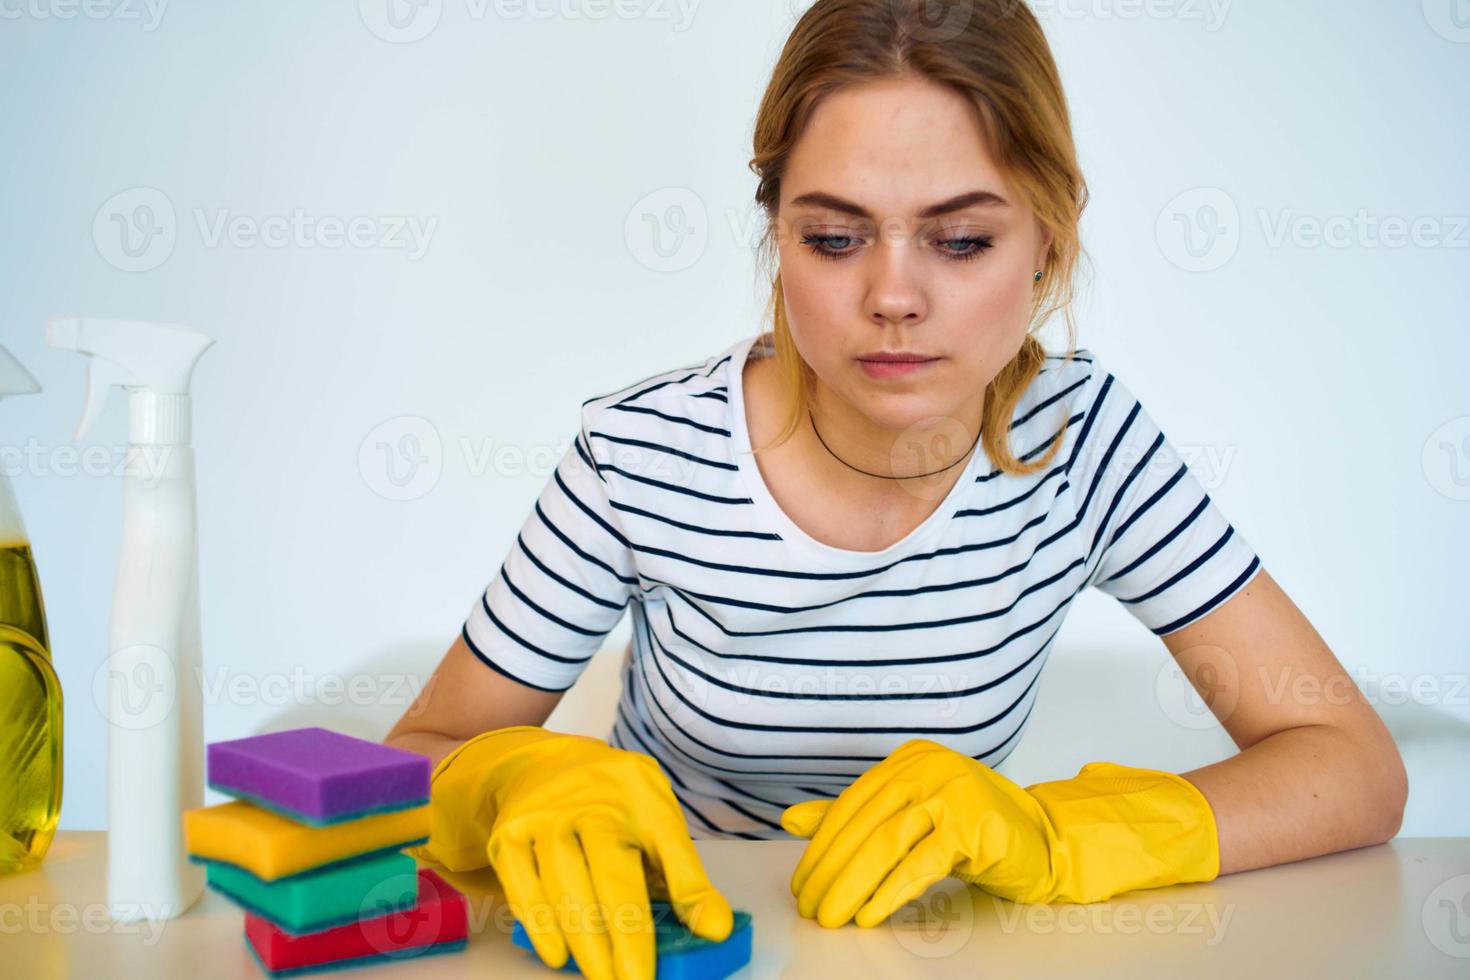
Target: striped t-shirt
(770,668)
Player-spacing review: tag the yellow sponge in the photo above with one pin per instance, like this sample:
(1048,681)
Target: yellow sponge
(270,846)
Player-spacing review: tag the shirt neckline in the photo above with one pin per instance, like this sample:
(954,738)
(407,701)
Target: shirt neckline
(790,531)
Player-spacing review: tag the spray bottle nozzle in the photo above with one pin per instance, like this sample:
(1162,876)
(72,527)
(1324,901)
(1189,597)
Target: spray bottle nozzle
(138,355)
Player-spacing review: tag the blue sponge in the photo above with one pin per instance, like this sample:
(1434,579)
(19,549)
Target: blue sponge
(681,954)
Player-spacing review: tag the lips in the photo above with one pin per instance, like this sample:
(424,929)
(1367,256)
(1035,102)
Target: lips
(896,357)
(891,368)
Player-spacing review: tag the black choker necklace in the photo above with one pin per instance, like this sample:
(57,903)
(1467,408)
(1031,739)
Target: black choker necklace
(882,476)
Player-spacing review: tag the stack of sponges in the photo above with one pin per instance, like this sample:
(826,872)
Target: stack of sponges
(311,849)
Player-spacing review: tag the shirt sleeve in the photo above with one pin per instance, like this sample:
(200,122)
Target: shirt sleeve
(565,583)
(1160,544)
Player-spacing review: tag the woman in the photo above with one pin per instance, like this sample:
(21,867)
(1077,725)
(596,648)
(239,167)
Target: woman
(847,546)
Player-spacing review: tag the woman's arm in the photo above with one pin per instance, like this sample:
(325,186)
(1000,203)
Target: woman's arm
(463,698)
(1317,771)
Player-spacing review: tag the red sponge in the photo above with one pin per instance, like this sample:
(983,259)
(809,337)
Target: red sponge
(437,923)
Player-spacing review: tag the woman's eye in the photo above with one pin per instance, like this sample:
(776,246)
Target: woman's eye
(961,249)
(972,246)
(829,246)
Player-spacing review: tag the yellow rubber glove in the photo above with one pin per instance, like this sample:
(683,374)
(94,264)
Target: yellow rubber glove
(567,822)
(927,812)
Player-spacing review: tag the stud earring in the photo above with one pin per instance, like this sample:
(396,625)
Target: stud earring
(1036,278)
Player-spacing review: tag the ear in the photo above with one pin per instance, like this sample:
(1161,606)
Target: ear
(1046,240)
(803,819)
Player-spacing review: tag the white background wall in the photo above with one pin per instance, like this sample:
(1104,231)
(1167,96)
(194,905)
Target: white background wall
(1321,386)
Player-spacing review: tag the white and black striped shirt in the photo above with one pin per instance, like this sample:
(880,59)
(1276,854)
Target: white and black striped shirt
(770,668)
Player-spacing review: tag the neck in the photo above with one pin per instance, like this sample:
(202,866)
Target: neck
(931,451)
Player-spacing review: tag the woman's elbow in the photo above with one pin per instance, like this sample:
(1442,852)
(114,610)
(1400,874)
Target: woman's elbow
(1390,788)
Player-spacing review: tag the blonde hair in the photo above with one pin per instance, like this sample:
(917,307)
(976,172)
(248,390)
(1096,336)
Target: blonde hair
(992,52)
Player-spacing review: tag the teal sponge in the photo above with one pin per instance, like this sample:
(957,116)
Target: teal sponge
(316,900)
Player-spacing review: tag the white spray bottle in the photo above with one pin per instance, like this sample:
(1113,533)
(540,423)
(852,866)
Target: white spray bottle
(155,737)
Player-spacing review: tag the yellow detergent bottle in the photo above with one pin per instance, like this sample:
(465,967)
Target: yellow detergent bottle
(30,694)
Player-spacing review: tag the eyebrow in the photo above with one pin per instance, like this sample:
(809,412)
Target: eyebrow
(957,203)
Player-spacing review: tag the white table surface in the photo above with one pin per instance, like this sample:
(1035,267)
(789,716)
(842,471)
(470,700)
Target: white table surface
(1398,909)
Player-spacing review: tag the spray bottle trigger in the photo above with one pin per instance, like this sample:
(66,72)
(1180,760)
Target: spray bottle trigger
(101,375)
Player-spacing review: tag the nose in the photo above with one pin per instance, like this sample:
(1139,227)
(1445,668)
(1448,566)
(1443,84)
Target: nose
(896,293)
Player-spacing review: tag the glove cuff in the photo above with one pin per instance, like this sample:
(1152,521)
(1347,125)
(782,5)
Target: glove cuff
(1115,828)
(474,746)
(462,795)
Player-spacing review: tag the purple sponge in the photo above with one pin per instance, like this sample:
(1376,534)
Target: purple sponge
(318,777)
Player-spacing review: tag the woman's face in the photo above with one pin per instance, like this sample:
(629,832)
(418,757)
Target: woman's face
(930,252)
